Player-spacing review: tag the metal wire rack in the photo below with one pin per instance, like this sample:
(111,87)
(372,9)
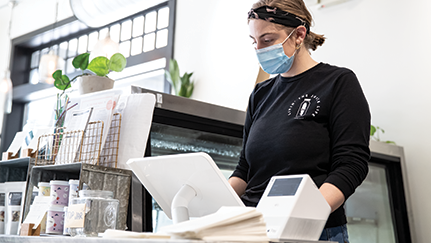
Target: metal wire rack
(109,154)
(62,147)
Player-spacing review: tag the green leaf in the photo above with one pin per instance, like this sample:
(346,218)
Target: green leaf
(372,130)
(184,80)
(61,81)
(99,66)
(81,61)
(117,62)
(174,74)
(183,91)
(174,68)
(168,76)
(390,142)
(190,90)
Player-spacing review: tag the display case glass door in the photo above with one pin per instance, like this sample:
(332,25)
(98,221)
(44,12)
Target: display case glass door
(368,210)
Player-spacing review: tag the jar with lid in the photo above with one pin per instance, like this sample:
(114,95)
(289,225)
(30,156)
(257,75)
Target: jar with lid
(101,212)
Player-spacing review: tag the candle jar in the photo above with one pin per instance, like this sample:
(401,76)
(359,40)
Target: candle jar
(44,189)
(101,212)
(55,220)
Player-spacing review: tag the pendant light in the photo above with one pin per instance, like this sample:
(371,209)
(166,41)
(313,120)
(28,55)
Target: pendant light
(105,47)
(6,86)
(50,62)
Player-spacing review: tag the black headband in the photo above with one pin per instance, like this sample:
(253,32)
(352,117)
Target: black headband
(277,16)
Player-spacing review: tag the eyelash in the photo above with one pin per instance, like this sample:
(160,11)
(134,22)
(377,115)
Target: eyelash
(254,43)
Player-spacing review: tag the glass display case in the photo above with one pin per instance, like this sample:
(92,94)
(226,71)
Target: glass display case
(182,125)
(376,212)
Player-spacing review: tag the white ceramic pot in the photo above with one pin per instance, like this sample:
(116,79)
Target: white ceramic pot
(92,83)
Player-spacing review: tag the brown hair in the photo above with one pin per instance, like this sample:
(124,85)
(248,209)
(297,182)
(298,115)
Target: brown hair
(298,8)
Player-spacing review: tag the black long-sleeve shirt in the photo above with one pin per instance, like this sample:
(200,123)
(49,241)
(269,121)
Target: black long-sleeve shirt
(316,123)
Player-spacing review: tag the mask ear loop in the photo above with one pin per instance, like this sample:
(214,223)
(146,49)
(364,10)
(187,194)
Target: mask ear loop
(282,43)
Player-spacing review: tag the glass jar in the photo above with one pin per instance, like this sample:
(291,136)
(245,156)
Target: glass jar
(101,212)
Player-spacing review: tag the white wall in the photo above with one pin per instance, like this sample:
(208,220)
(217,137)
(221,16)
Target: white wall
(212,39)
(385,42)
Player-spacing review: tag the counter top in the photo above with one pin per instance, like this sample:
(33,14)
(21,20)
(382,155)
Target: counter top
(66,239)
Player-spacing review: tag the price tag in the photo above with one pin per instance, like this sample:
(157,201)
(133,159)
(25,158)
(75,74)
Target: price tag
(75,216)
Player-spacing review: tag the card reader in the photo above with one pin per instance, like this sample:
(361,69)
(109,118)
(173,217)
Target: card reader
(293,208)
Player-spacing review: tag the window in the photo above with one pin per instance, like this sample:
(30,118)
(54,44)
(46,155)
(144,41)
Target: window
(136,35)
(145,39)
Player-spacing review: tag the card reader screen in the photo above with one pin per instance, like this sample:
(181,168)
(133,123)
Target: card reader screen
(284,187)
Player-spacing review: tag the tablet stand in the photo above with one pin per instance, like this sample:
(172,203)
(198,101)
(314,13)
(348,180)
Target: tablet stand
(180,203)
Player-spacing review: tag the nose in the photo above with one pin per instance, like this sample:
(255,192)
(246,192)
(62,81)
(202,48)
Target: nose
(258,46)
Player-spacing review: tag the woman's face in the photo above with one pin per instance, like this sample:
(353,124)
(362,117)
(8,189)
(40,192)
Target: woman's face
(264,34)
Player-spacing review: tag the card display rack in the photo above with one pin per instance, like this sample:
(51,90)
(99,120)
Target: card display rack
(66,147)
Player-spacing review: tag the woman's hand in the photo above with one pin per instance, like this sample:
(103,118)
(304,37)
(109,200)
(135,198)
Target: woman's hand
(238,185)
(333,195)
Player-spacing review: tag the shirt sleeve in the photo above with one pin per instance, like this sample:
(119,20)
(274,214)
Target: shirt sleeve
(349,125)
(242,168)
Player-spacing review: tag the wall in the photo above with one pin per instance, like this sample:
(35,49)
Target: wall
(384,42)
(212,39)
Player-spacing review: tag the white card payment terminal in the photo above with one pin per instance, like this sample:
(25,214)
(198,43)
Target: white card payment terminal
(293,208)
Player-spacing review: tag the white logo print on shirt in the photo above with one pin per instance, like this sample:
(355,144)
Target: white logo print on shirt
(302,105)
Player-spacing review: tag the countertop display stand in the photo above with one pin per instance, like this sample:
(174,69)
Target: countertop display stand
(81,158)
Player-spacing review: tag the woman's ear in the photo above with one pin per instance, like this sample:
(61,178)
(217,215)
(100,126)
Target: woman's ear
(301,32)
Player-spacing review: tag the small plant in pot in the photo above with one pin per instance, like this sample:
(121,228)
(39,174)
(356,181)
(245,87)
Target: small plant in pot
(101,66)
(183,86)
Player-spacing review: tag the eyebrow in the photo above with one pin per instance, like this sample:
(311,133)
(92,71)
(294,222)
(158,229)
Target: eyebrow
(262,35)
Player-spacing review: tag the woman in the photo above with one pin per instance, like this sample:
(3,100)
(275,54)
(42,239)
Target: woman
(311,118)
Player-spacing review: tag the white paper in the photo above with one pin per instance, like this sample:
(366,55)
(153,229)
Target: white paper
(244,224)
(16,143)
(71,142)
(37,133)
(38,210)
(136,117)
(103,104)
(224,216)
(78,120)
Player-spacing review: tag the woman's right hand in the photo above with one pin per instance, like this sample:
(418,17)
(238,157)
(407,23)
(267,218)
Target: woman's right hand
(238,185)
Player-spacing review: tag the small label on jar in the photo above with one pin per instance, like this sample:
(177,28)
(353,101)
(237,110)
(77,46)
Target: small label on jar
(75,216)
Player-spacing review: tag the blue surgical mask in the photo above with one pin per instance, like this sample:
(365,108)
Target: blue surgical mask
(273,60)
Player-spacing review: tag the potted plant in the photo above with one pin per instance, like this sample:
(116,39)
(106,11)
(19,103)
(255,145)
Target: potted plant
(182,85)
(100,66)
(375,134)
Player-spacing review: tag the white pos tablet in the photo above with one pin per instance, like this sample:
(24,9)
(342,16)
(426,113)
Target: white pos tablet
(185,185)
